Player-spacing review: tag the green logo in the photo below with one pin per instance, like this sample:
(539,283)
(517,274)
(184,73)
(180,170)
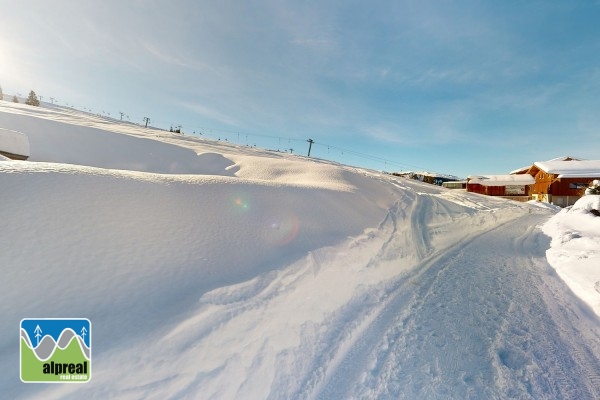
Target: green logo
(56,350)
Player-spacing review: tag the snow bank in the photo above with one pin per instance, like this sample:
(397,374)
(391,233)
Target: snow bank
(134,252)
(575,248)
(226,277)
(65,136)
(57,141)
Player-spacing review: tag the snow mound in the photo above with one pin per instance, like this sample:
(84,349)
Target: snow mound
(67,136)
(64,137)
(236,272)
(587,204)
(575,248)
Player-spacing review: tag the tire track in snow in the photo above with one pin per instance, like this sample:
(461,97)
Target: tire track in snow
(485,319)
(362,311)
(570,318)
(421,209)
(345,363)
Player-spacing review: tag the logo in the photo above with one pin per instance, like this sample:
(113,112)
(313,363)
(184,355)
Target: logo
(56,350)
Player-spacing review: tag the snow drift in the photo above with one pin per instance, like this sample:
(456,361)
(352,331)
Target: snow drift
(575,248)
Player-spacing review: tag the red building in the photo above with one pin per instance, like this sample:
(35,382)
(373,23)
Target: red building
(514,187)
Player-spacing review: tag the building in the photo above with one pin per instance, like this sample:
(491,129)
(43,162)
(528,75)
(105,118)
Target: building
(562,181)
(513,187)
(455,184)
(427,177)
(14,145)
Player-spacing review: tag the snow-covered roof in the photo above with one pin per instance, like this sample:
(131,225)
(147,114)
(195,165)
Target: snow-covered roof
(432,174)
(571,169)
(14,142)
(502,180)
(522,170)
(566,158)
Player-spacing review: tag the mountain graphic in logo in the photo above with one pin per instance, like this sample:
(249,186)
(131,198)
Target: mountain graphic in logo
(55,350)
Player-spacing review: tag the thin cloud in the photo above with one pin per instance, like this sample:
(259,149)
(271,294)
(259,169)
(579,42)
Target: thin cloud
(162,56)
(313,42)
(209,113)
(391,135)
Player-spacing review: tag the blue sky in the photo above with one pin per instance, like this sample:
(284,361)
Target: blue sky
(459,87)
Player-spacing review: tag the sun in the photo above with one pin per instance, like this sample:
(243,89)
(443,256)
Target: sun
(12,70)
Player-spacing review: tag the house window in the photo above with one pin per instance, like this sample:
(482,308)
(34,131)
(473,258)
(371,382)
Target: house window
(578,186)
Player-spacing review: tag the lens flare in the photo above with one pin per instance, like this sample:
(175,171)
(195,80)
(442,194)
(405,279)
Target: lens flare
(240,203)
(282,230)
(275,227)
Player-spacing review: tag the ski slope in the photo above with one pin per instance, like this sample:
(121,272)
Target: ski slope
(216,271)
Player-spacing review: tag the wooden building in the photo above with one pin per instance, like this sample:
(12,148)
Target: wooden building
(513,187)
(562,181)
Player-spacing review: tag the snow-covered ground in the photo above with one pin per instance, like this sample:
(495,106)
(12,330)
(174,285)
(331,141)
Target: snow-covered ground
(211,270)
(575,248)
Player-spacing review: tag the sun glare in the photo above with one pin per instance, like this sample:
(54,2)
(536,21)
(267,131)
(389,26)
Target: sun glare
(12,70)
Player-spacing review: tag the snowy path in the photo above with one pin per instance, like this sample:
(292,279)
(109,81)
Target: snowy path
(382,316)
(486,319)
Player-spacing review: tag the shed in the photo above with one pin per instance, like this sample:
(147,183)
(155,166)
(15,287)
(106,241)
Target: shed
(455,184)
(14,145)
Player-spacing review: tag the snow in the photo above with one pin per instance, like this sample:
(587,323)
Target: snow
(14,142)
(571,169)
(543,204)
(211,270)
(575,248)
(522,170)
(502,180)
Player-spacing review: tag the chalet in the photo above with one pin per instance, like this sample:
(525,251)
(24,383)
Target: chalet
(513,187)
(562,181)
(14,145)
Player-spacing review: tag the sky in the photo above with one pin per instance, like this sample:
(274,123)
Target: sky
(457,87)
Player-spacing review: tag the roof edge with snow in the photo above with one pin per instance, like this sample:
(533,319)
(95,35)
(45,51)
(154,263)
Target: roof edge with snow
(571,169)
(14,144)
(502,180)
